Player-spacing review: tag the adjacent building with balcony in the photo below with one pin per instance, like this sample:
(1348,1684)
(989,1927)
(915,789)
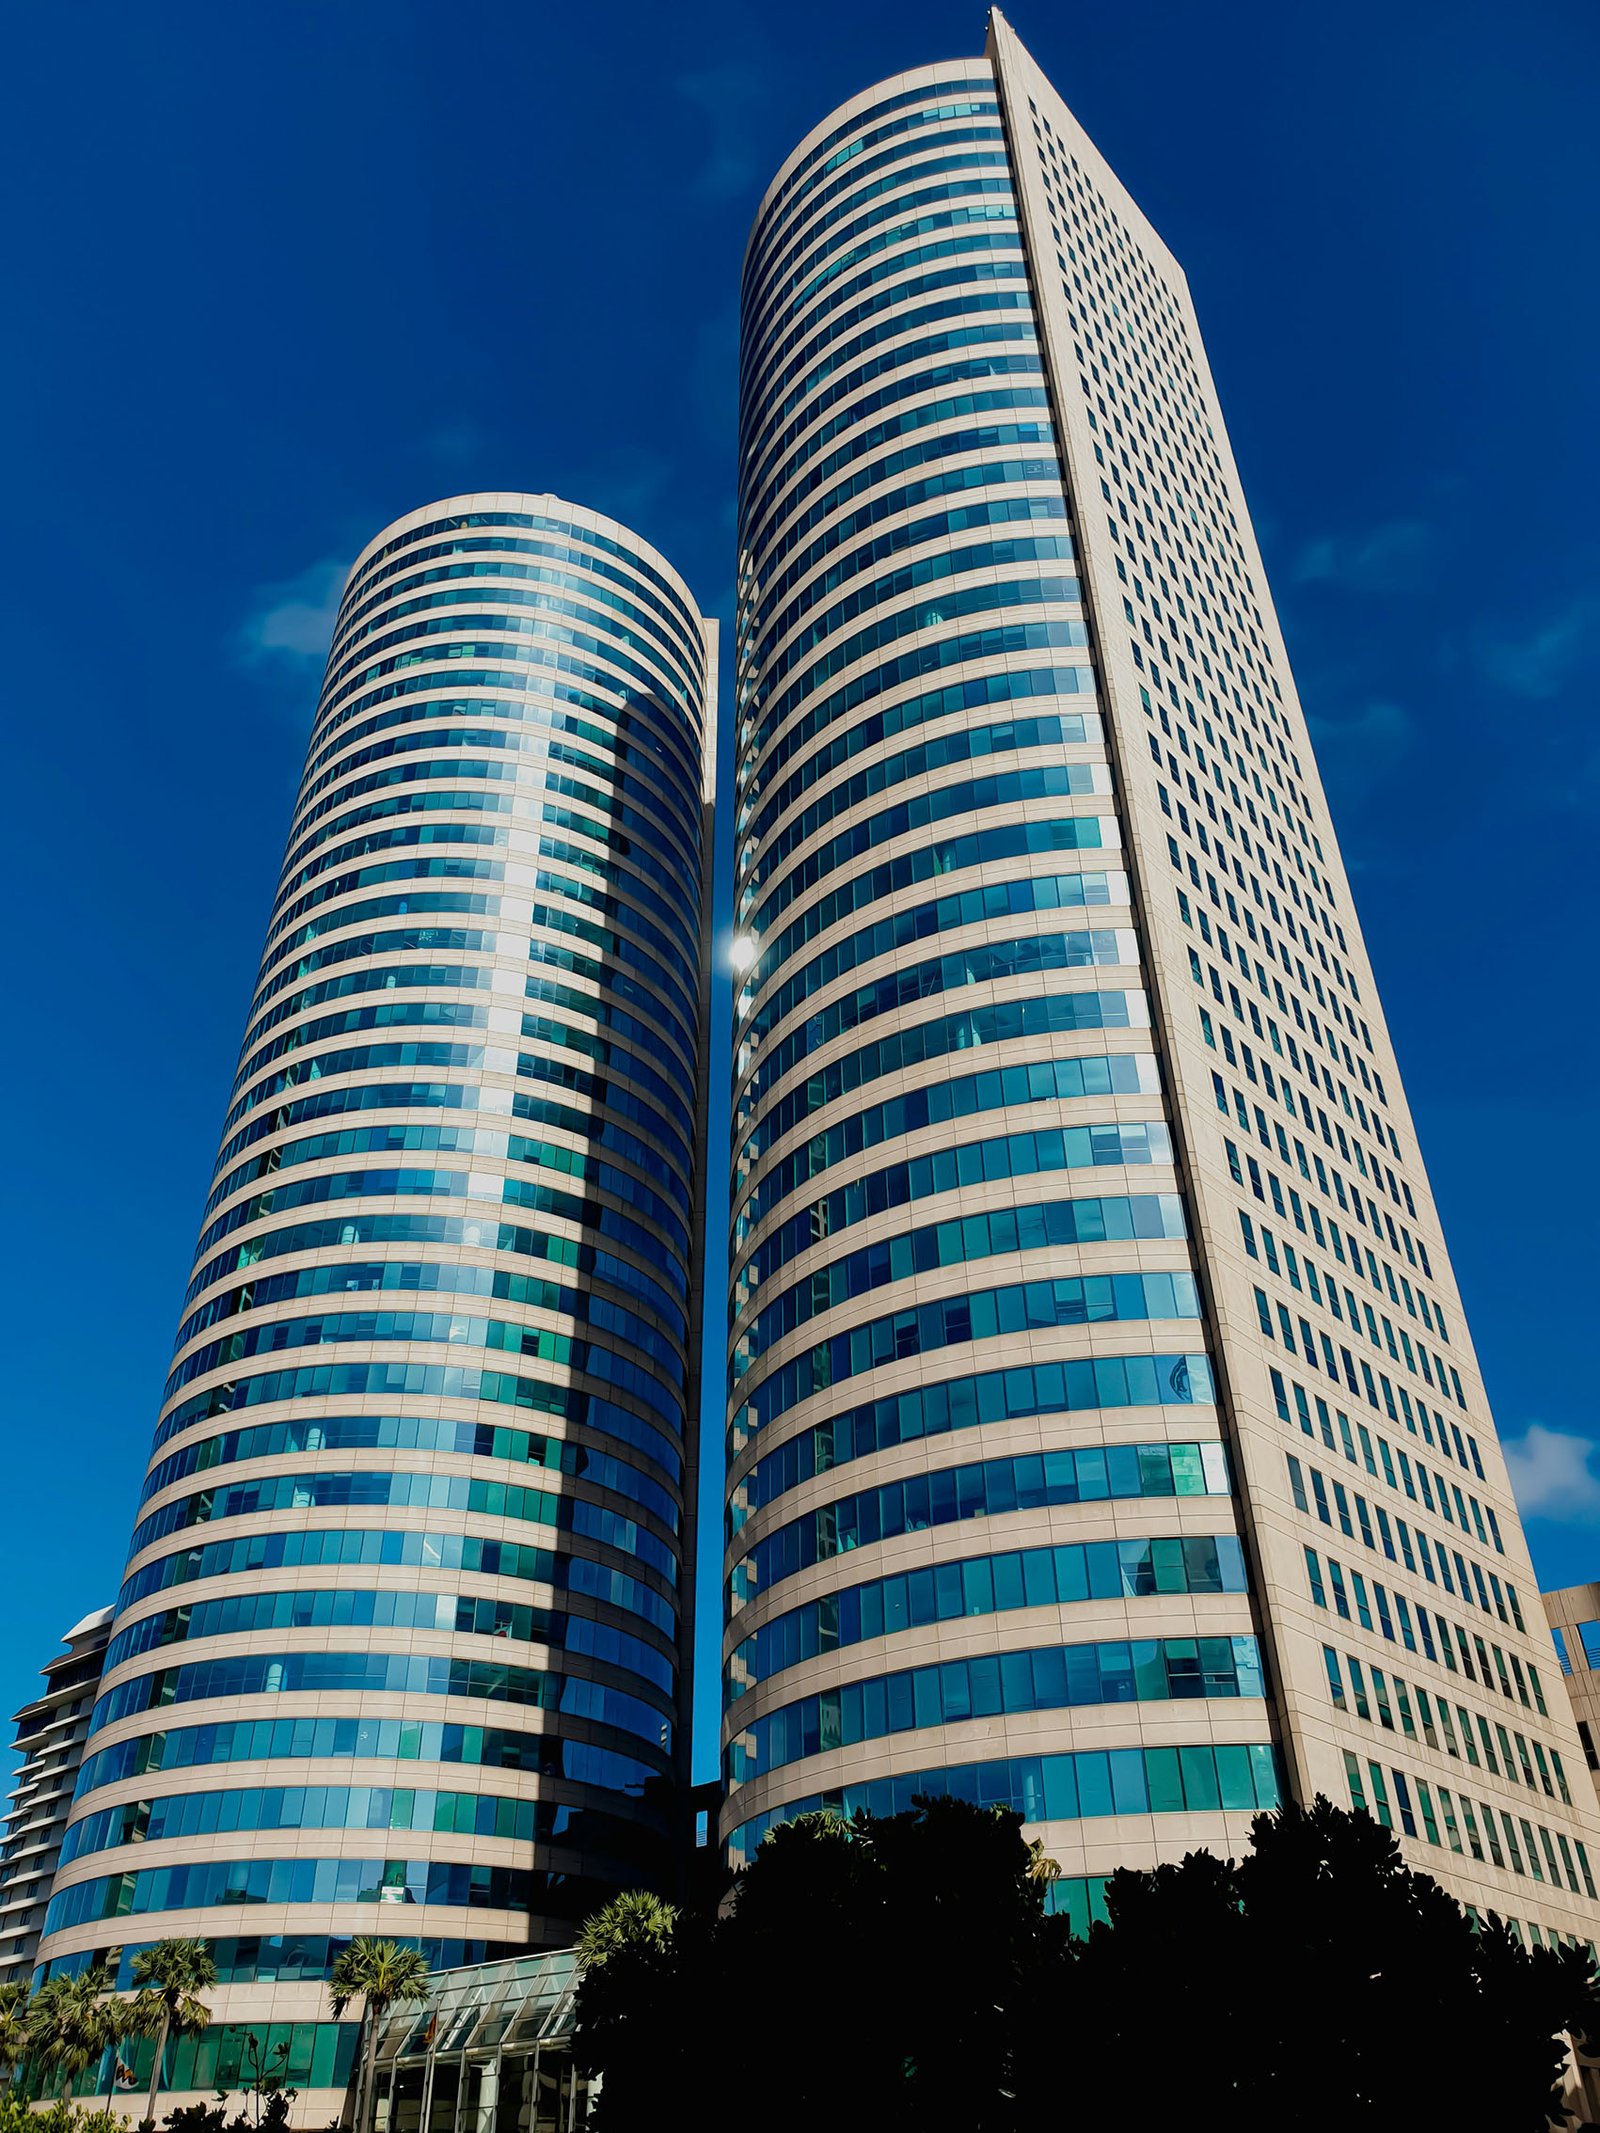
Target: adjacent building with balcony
(50,1735)
(1574,1617)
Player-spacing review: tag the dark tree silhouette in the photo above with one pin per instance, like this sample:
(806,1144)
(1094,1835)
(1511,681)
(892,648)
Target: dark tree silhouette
(1321,1983)
(867,1974)
(643,2015)
(904,1973)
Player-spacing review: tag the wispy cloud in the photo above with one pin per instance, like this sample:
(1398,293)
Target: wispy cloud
(455,443)
(1368,747)
(288,626)
(1397,557)
(729,98)
(630,484)
(1539,661)
(1552,1475)
(714,373)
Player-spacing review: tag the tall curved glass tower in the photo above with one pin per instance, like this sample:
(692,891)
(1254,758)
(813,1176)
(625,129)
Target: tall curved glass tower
(402,1643)
(1104,1434)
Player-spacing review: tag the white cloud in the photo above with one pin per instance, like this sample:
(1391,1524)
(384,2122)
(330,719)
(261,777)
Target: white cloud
(1552,1475)
(455,443)
(289,625)
(714,372)
(628,483)
(727,97)
(1540,661)
(1393,558)
(1367,748)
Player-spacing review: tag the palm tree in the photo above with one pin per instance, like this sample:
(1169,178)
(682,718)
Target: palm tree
(169,1976)
(122,2021)
(13,2033)
(634,1919)
(382,1974)
(1040,1870)
(67,2026)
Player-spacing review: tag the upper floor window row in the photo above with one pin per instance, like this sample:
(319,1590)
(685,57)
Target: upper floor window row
(940,1103)
(522,521)
(893,172)
(497,565)
(963,97)
(912,203)
(985,1488)
(980,1585)
(771,511)
(916,1043)
(924,922)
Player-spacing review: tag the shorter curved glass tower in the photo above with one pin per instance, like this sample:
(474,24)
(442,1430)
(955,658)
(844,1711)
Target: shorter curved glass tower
(402,1645)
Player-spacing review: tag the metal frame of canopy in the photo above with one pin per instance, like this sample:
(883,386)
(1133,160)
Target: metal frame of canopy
(490,2051)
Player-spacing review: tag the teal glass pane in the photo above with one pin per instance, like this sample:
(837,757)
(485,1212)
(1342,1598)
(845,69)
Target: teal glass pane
(1060,1784)
(1264,1765)
(1235,1778)
(1129,1792)
(1069,1899)
(1094,1785)
(1164,1779)
(1199,1779)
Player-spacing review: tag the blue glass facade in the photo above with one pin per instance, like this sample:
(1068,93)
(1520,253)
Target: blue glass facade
(1104,1434)
(418,1498)
(938,923)
(1033,879)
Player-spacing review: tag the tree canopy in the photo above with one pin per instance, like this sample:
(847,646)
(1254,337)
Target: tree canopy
(874,1971)
(67,2024)
(907,1972)
(1320,1982)
(383,1974)
(169,1977)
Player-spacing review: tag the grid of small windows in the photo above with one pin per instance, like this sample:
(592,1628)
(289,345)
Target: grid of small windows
(1270,977)
(1415,1353)
(1454,1650)
(1390,1702)
(1436,1719)
(1306,1108)
(1333,1214)
(1409,1475)
(1162,477)
(1469,1827)
(1148,412)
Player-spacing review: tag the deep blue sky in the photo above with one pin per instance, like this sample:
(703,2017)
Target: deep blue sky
(278,272)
